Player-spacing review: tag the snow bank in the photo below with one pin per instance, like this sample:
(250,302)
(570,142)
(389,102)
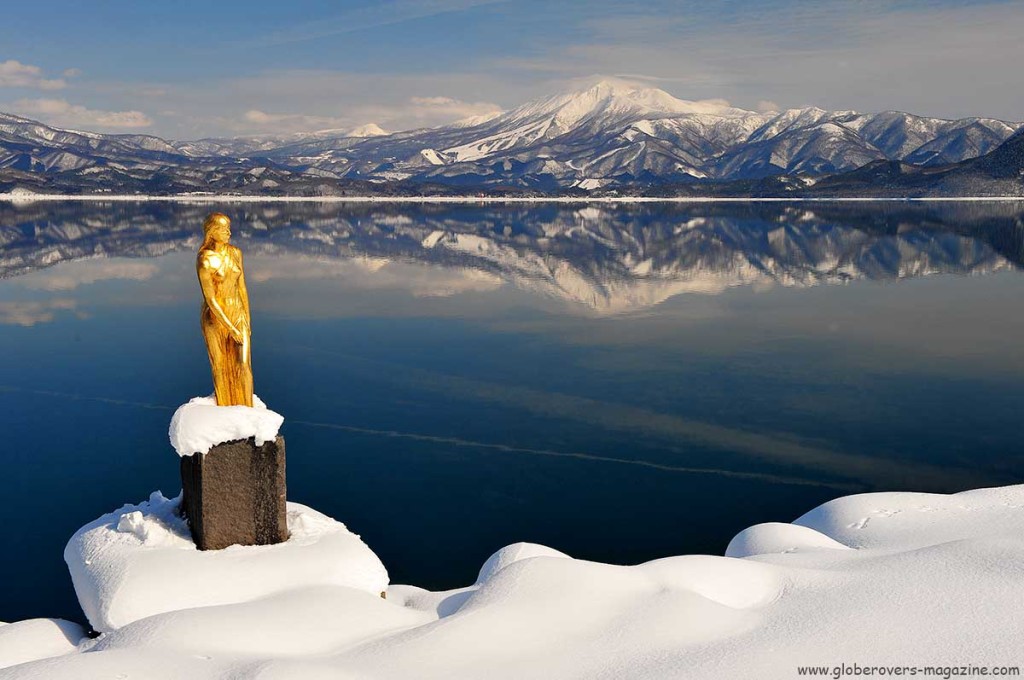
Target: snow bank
(37,639)
(894,579)
(511,554)
(200,424)
(304,621)
(776,537)
(140,561)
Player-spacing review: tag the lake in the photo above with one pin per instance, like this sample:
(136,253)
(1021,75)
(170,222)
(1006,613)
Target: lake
(621,382)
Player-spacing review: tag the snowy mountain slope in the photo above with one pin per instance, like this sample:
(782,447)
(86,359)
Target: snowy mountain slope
(896,134)
(612,134)
(821,148)
(962,140)
(58,149)
(607,130)
(1000,172)
(605,107)
(619,133)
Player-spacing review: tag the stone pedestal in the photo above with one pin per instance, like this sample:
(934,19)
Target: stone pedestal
(235,494)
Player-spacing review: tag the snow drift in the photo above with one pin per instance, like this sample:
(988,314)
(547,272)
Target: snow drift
(895,579)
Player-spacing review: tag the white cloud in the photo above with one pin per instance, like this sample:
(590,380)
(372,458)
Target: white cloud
(415,111)
(13,73)
(433,101)
(254,116)
(63,113)
(447,108)
(281,123)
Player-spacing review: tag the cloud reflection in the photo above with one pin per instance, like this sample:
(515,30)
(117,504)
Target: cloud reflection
(30,313)
(360,273)
(75,274)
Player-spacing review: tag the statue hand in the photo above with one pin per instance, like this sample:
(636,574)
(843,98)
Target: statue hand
(238,336)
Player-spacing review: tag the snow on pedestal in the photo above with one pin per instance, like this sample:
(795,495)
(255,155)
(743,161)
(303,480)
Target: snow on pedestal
(140,561)
(201,424)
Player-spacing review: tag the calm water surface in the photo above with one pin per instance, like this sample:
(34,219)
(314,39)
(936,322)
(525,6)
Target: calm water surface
(619,382)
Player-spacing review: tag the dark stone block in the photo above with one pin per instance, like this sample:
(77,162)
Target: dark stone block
(235,494)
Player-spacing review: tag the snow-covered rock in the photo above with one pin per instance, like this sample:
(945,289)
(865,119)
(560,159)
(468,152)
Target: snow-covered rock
(201,424)
(140,561)
(882,579)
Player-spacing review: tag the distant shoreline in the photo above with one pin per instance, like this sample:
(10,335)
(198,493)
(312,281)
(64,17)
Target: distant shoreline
(234,198)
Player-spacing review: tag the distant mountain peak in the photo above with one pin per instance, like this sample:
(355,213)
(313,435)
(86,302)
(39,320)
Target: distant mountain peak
(610,88)
(368,130)
(616,98)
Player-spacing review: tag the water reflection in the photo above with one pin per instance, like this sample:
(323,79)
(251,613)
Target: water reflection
(602,259)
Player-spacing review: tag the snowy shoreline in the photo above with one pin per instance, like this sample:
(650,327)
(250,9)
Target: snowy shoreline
(877,579)
(236,198)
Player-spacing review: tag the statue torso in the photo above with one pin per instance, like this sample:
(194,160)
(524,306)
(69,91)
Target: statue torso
(225,269)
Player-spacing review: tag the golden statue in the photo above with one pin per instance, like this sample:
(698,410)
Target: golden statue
(225,313)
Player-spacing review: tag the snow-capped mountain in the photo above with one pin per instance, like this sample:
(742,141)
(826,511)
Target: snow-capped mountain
(610,135)
(592,136)
(616,133)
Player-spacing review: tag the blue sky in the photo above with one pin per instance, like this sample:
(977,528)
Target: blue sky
(190,69)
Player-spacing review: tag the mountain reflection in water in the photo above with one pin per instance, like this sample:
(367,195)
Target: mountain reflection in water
(609,259)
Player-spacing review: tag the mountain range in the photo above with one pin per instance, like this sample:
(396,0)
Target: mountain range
(608,139)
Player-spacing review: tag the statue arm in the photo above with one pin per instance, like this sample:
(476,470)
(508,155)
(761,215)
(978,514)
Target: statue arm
(206,283)
(244,293)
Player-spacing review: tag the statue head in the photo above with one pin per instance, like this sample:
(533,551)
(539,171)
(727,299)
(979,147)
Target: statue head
(217,228)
